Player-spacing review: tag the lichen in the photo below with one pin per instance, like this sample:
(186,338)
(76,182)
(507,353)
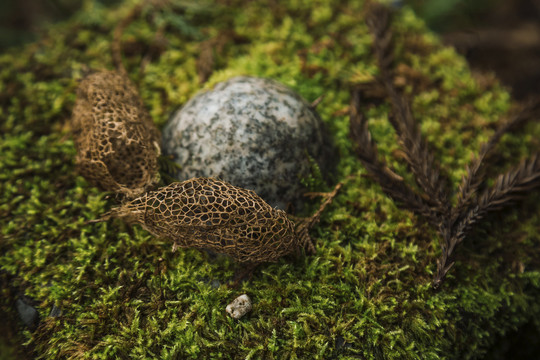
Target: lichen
(365,293)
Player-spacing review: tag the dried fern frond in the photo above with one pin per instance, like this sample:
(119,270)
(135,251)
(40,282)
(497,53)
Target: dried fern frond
(475,170)
(117,142)
(420,158)
(427,172)
(391,183)
(378,19)
(434,204)
(470,206)
(508,187)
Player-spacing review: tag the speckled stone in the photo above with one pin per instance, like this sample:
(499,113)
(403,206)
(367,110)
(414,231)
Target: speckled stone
(251,132)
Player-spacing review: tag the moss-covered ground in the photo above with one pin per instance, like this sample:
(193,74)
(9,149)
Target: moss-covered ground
(366,293)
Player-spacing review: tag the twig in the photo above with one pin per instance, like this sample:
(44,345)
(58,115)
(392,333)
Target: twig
(135,12)
(116,45)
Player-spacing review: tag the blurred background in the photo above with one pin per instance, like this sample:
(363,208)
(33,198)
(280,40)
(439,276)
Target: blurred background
(499,36)
(21,20)
(502,36)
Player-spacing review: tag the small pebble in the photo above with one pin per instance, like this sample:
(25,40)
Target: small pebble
(55,311)
(239,307)
(215,283)
(27,313)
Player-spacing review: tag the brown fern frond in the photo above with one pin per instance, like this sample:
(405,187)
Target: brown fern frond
(475,170)
(511,186)
(378,19)
(427,172)
(391,183)
(508,187)
(434,204)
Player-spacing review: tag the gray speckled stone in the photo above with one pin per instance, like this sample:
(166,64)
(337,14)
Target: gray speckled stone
(254,133)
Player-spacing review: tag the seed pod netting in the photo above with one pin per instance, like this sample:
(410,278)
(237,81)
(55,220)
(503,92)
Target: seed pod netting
(211,214)
(117,143)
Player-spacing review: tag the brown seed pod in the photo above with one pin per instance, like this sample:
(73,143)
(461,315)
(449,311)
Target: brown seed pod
(117,143)
(206,213)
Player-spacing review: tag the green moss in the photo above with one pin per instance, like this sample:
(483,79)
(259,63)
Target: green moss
(366,292)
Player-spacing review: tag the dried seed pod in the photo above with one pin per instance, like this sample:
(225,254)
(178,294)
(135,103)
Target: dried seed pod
(239,307)
(211,214)
(117,143)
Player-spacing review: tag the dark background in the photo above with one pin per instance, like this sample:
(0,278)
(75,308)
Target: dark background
(501,36)
(21,20)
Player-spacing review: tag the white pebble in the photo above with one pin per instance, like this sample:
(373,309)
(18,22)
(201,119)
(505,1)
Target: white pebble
(239,307)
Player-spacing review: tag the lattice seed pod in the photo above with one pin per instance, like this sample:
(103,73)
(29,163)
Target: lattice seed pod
(211,214)
(117,143)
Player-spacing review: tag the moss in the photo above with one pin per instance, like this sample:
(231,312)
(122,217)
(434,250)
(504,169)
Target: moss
(366,292)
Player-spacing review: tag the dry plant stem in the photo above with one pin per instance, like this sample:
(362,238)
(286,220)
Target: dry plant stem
(317,101)
(116,45)
(304,225)
(329,198)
